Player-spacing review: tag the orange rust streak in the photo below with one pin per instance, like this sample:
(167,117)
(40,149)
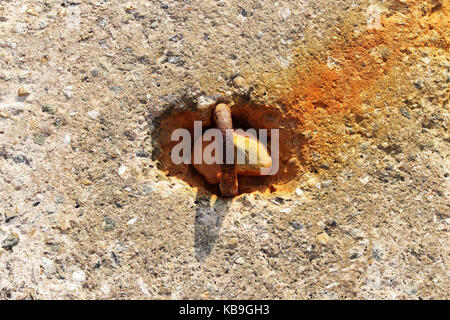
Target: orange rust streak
(320,96)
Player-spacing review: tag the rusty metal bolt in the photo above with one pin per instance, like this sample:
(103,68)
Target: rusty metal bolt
(228,178)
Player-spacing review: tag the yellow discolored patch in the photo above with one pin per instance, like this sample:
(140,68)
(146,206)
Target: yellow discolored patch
(250,147)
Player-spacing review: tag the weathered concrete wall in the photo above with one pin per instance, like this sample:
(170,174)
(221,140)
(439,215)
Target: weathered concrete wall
(86,213)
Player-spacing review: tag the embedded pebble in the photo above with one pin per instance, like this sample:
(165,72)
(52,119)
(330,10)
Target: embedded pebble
(327,183)
(32,12)
(373,13)
(240,260)
(21,159)
(10,214)
(115,88)
(94,72)
(239,82)
(405,113)
(49,109)
(68,92)
(23,92)
(143,287)
(205,101)
(174,59)
(39,139)
(232,243)
(355,233)
(79,276)
(101,22)
(147,189)
(411,288)
(11,241)
(285,13)
(122,170)
(325,165)
(312,182)
(354,253)
(132,221)
(66,139)
(93,114)
(363,146)
(323,238)
(142,154)
(21,27)
(377,252)
(48,266)
(105,288)
(297,225)
(42,25)
(418,84)
(109,224)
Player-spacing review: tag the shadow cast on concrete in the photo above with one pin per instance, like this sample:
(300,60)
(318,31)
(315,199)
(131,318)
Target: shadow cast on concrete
(208,222)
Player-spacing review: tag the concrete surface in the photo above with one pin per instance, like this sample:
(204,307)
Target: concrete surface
(87,214)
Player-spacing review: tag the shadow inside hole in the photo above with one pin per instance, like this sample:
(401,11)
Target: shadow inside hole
(208,222)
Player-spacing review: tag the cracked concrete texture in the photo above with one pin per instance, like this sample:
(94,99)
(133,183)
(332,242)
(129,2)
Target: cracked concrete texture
(96,219)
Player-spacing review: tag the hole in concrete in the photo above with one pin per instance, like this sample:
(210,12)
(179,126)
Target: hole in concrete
(245,115)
